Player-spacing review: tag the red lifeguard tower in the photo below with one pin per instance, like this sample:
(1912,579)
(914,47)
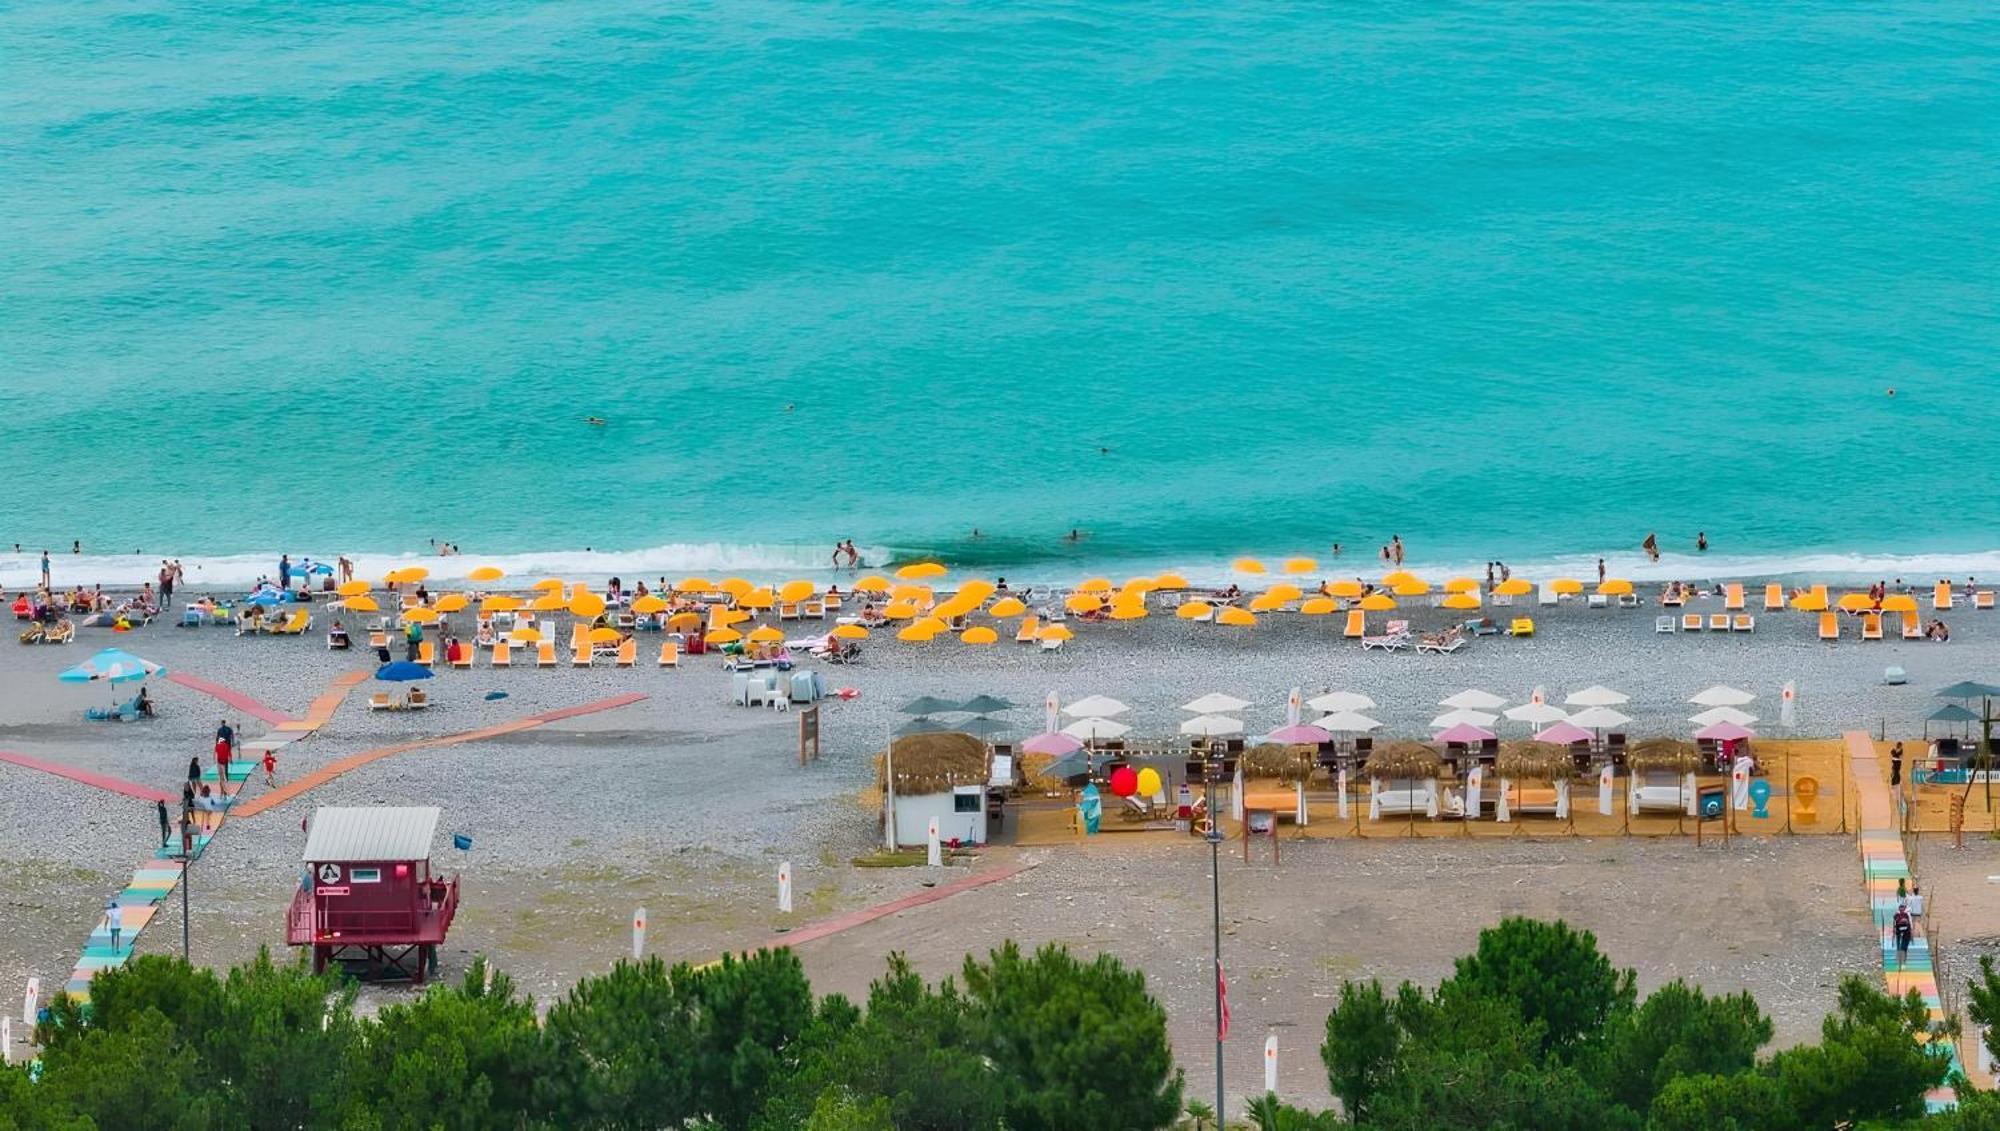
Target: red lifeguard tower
(369,900)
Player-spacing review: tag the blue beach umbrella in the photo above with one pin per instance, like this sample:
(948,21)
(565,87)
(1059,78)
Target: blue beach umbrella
(113,665)
(320,568)
(267,598)
(402,671)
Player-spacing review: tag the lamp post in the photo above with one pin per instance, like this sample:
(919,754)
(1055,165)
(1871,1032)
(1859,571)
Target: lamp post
(1212,768)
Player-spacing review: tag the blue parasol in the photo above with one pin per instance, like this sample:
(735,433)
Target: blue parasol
(113,665)
(402,671)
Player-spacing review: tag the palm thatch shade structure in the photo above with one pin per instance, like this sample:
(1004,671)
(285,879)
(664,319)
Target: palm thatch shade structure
(1404,760)
(937,763)
(1287,763)
(1663,754)
(1534,761)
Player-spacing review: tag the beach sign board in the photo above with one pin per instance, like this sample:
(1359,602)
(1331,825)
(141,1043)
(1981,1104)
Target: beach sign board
(785,887)
(1739,784)
(1271,1063)
(936,844)
(30,1000)
(1788,704)
(1604,790)
(638,933)
(6,1040)
(1343,793)
(1711,803)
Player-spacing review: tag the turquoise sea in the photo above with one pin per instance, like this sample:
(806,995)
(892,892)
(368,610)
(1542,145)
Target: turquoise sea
(1523,280)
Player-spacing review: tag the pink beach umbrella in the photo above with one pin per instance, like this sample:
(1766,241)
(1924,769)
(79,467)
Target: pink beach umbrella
(1724,732)
(1563,734)
(1466,733)
(1301,734)
(1052,742)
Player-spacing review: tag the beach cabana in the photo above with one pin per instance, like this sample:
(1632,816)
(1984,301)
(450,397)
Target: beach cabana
(942,775)
(1663,780)
(1543,763)
(1403,780)
(1272,779)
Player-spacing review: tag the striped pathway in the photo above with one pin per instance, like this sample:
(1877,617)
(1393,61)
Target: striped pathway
(87,777)
(1882,865)
(272,798)
(853,919)
(232,697)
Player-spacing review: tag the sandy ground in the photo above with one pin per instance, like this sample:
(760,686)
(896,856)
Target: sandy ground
(685,805)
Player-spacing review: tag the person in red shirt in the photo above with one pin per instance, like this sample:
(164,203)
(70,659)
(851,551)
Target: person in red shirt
(270,767)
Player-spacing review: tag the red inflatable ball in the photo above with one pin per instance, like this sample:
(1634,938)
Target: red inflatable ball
(1124,781)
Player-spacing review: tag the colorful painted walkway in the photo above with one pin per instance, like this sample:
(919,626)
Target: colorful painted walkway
(87,777)
(1883,863)
(313,780)
(234,698)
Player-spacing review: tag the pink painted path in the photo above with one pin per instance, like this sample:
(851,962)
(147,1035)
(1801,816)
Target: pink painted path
(87,777)
(866,915)
(232,697)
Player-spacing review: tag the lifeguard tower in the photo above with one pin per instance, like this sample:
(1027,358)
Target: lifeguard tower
(369,900)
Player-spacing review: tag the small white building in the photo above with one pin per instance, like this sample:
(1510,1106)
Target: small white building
(941,775)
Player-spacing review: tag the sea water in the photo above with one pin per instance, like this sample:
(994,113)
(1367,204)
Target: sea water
(1509,280)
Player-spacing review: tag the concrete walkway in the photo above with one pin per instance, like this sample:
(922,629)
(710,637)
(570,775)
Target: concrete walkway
(1883,863)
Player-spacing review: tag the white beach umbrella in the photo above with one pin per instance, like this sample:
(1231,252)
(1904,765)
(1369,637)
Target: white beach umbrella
(1215,703)
(1472,698)
(1600,718)
(1595,696)
(1334,702)
(1539,714)
(1466,715)
(1351,722)
(1212,725)
(1096,727)
(1716,715)
(1721,695)
(1095,707)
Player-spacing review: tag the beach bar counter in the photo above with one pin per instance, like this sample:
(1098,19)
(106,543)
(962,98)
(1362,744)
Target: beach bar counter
(369,900)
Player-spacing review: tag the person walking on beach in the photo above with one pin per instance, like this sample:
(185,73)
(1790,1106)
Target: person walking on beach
(194,769)
(284,571)
(1896,765)
(166,585)
(346,569)
(271,769)
(1905,931)
(112,922)
(413,638)
(223,751)
(45,570)
(165,825)
(1489,575)
(1600,571)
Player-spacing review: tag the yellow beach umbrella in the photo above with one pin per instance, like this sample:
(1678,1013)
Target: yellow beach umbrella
(1170,581)
(525,636)
(1318,606)
(915,634)
(1410,588)
(1378,603)
(549,585)
(765,635)
(1267,602)
(734,586)
(405,575)
(1139,585)
(797,590)
(1301,565)
(1855,602)
(1239,617)
(1128,606)
(498,605)
(724,636)
(1247,565)
(1566,585)
(1348,588)
(1461,601)
(420,614)
(487,573)
(873,583)
(1462,585)
(1007,607)
(548,603)
(353,588)
(727,617)
(604,636)
(650,603)
(361,604)
(976,591)
(953,609)
(979,635)
(681,622)
(1285,591)
(587,605)
(1899,603)
(917,571)
(900,610)
(1094,585)
(453,602)
(1055,632)
(758,598)
(1194,610)
(912,593)
(1514,587)
(1614,587)
(1083,603)
(695,585)
(849,632)
(1397,577)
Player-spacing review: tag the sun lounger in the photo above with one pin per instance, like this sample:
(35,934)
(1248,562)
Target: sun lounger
(1030,625)
(381,701)
(503,654)
(1673,598)
(1718,622)
(1743,622)
(427,654)
(419,699)
(545,654)
(628,652)
(1663,623)
(1691,622)
(813,610)
(1983,599)
(1598,601)
(1051,644)
(788,610)
(582,656)
(670,653)
(1829,626)
(1660,791)
(1402,797)
(1394,639)
(1628,600)
(1443,644)
(1484,626)
(1732,597)
(1913,628)
(1871,626)
(1941,596)
(1357,625)
(465,654)
(378,638)
(294,624)
(1546,596)
(1522,626)
(1774,598)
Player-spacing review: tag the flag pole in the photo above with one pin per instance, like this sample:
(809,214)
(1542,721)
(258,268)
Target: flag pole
(1215,892)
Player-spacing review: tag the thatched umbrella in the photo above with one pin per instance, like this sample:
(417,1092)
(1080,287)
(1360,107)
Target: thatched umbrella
(938,762)
(1672,754)
(1533,761)
(1287,763)
(1404,759)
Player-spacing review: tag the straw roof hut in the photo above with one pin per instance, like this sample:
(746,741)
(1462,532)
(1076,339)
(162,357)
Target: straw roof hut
(938,762)
(1533,761)
(1662,754)
(1287,763)
(1404,760)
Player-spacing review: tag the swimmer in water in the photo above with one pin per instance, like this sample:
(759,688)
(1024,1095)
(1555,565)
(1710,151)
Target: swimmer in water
(594,421)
